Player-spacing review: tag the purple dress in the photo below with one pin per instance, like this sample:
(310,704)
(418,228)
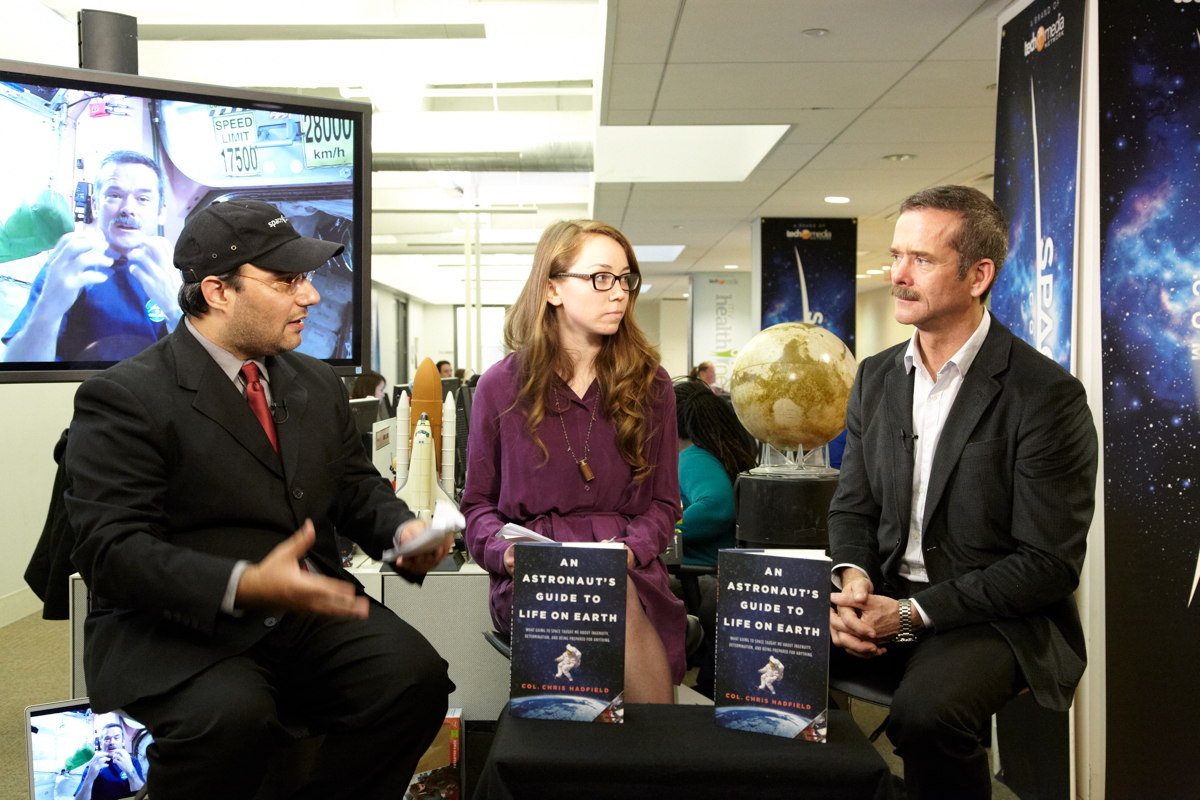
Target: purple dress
(509,481)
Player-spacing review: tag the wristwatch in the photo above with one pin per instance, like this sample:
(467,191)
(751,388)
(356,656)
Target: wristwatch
(905,633)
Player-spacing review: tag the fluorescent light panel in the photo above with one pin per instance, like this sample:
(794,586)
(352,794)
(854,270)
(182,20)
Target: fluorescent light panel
(681,153)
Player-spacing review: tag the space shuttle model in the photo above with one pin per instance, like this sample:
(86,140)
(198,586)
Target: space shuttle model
(425,431)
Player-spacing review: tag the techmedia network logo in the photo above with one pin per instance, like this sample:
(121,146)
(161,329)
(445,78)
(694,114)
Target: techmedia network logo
(811,235)
(1046,35)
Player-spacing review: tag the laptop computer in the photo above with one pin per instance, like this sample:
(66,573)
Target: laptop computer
(67,743)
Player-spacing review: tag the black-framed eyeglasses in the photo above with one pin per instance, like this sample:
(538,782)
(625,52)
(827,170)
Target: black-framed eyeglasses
(291,285)
(603,281)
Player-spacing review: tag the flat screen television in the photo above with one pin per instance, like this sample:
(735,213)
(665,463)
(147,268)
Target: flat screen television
(70,242)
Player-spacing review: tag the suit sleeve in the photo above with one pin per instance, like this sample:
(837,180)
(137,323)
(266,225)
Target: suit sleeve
(854,512)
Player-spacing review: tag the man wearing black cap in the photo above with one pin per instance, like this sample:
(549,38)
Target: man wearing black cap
(220,609)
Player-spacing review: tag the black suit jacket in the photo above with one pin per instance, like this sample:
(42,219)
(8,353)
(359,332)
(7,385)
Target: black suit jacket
(1009,503)
(172,480)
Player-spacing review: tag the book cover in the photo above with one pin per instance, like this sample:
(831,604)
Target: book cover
(568,631)
(438,773)
(772,650)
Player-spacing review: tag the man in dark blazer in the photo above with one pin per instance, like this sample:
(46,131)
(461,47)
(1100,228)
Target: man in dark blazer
(222,617)
(967,488)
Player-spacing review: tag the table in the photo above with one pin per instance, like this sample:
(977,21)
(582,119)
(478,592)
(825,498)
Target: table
(677,751)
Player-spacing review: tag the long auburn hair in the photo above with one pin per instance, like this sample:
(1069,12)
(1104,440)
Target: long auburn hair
(625,366)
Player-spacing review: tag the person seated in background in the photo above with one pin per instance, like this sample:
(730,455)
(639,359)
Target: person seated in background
(368,384)
(707,374)
(713,449)
(445,369)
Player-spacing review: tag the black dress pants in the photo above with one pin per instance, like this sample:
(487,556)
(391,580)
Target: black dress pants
(374,687)
(949,686)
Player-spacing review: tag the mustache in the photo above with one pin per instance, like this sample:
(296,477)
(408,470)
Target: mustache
(129,220)
(904,293)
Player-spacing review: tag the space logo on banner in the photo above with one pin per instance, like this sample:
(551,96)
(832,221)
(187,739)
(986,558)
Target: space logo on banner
(808,268)
(1036,172)
(721,319)
(1149,73)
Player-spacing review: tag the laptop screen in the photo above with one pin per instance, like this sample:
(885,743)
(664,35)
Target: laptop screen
(70,746)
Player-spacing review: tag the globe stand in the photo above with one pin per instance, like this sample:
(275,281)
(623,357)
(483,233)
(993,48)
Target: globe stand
(784,501)
(794,463)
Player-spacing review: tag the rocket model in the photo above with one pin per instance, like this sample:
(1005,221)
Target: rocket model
(425,428)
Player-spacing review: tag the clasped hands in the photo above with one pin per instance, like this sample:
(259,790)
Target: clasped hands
(278,581)
(860,621)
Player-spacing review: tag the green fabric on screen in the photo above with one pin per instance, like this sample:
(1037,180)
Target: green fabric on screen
(36,227)
(79,758)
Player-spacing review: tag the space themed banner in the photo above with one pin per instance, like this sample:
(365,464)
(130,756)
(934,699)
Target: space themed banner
(1150,315)
(808,268)
(1036,171)
(722,321)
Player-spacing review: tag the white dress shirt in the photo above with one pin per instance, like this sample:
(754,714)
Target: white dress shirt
(932,400)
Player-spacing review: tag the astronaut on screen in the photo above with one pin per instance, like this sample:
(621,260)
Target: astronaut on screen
(108,288)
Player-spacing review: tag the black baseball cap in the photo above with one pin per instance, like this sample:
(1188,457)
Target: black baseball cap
(220,238)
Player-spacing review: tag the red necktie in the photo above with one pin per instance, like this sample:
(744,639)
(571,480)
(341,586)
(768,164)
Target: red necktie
(257,400)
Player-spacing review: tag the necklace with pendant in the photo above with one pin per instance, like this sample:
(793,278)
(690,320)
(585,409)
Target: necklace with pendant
(585,469)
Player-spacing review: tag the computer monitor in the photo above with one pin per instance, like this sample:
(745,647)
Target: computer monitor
(450,387)
(67,133)
(365,411)
(62,740)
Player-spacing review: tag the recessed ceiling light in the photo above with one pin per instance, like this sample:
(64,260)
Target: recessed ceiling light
(874,272)
(647,286)
(899,157)
(886,267)
(685,295)
(833,198)
(731,266)
(860,276)
(816,33)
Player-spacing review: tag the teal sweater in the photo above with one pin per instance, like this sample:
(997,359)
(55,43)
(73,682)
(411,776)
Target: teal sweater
(708,510)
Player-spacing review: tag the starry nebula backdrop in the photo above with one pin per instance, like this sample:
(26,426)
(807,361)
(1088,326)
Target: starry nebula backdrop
(1041,54)
(826,248)
(1150,296)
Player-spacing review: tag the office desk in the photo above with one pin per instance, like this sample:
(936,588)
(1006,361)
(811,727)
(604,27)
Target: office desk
(677,751)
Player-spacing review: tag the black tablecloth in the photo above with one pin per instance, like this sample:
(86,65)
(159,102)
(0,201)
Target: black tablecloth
(677,751)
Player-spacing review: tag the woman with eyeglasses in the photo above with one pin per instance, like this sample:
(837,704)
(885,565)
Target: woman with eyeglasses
(573,435)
